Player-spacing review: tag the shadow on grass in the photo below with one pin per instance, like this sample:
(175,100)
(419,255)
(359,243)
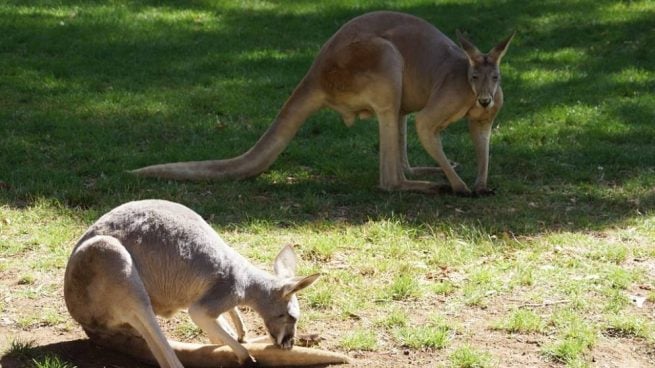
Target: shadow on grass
(92,91)
(78,353)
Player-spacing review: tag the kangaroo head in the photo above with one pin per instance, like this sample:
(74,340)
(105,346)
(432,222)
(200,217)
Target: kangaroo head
(484,71)
(282,313)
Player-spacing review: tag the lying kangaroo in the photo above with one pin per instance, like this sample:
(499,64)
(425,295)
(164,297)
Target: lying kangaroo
(156,257)
(388,64)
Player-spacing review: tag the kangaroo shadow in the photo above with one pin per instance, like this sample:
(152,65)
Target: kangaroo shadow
(79,353)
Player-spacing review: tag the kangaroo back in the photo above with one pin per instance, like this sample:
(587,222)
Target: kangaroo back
(178,255)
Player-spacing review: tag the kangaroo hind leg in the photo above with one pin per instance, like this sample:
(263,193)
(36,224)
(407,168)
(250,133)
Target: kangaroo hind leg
(104,292)
(384,92)
(414,170)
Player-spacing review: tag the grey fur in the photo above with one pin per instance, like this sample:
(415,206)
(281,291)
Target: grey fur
(159,256)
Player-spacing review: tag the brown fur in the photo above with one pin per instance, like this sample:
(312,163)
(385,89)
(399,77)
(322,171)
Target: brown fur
(385,64)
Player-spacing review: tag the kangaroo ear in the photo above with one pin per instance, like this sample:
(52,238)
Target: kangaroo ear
(474,55)
(296,284)
(498,52)
(285,262)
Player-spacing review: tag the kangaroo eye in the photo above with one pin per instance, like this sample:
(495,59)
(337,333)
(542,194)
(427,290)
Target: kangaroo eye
(474,77)
(495,78)
(282,316)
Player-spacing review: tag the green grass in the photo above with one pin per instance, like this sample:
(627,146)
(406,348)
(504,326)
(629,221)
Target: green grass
(51,361)
(435,333)
(443,288)
(576,337)
(424,337)
(630,326)
(320,297)
(522,321)
(394,318)
(30,356)
(89,90)
(21,349)
(186,330)
(403,287)
(467,357)
(26,280)
(359,340)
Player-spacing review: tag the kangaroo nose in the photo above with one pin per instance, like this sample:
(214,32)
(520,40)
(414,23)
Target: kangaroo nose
(485,101)
(287,342)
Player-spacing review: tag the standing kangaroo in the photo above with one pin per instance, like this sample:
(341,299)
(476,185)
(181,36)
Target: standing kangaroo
(388,64)
(156,257)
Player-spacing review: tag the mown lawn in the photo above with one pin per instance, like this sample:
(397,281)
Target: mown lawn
(557,269)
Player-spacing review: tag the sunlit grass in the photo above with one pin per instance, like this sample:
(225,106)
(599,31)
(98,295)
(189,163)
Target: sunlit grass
(576,338)
(468,357)
(522,321)
(359,340)
(435,333)
(623,325)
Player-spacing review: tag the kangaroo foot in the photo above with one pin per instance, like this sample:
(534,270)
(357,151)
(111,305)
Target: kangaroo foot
(426,170)
(419,186)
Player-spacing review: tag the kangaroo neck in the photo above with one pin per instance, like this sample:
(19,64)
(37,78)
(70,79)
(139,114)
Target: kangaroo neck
(253,286)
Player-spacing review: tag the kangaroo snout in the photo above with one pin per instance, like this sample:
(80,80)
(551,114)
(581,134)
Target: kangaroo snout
(484,101)
(286,342)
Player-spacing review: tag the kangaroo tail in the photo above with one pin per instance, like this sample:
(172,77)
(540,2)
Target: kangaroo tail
(305,100)
(201,355)
(194,355)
